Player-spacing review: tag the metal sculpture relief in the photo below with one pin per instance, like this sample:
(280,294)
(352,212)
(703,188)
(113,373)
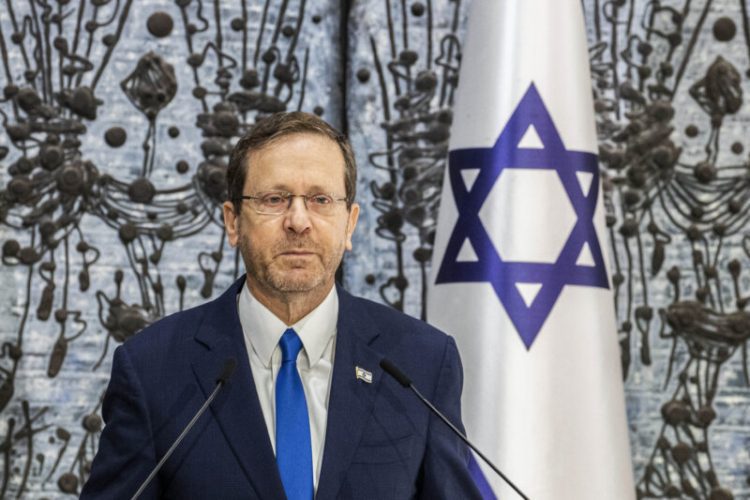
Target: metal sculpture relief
(49,96)
(54,58)
(678,214)
(416,74)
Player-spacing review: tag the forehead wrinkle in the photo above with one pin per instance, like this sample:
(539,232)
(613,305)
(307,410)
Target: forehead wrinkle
(314,189)
(301,177)
(303,173)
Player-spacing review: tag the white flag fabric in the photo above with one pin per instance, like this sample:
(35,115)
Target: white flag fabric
(519,275)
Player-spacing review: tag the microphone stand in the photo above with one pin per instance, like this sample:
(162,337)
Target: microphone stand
(405,381)
(227,371)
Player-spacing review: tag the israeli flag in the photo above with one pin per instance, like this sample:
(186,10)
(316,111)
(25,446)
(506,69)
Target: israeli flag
(519,271)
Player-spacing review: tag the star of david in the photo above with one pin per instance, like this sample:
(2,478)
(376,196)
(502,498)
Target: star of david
(486,264)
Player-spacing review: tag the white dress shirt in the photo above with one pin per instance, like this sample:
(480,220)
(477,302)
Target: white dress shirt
(263,330)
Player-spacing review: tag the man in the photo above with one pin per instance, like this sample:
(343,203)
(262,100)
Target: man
(308,410)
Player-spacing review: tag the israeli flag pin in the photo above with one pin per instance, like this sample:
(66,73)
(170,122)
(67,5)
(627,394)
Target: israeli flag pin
(363,375)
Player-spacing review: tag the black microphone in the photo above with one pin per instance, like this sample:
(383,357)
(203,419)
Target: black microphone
(227,370)
(405,381)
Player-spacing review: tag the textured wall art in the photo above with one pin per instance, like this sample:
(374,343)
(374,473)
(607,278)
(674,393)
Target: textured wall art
(670,80)
(117,119)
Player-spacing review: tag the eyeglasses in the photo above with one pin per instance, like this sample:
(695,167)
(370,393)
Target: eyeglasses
(278,202)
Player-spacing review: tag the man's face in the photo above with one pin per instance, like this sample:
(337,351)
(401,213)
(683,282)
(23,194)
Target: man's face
(299,250)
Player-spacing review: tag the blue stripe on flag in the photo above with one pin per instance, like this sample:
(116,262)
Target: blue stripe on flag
(478,476)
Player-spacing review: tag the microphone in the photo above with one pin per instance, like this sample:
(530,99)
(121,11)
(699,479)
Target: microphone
(227,370)
(405,381)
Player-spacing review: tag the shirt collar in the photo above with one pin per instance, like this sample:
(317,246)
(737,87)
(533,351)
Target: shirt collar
(264,329)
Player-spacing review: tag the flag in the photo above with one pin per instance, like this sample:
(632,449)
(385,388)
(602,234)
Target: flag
(519,273)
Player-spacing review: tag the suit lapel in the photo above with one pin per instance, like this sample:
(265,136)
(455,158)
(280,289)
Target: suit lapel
(351,400)
(236,408)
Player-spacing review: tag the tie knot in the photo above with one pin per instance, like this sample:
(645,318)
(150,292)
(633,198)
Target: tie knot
(290,344)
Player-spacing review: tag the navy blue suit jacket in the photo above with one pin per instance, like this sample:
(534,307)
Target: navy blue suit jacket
(381,442)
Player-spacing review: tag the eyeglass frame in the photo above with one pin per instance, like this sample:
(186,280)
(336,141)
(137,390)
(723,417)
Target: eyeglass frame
(288,196)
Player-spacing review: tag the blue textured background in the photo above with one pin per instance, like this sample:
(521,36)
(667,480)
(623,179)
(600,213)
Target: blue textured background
(355,52)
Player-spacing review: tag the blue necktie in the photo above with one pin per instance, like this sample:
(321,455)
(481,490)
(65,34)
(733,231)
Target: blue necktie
(293,449)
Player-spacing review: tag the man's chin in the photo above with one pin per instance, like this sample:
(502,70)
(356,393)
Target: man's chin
(296,282)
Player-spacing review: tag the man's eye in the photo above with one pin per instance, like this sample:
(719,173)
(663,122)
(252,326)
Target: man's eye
(320,199)
(273,199)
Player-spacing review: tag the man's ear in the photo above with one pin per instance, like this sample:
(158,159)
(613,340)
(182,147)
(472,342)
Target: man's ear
(351,224)
(231,223)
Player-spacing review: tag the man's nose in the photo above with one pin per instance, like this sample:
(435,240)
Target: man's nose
(297,218)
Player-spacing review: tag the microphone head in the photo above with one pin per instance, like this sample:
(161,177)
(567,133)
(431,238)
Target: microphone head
(394,372)
(227,370)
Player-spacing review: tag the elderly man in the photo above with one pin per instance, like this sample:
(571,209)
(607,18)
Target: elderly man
(308,412)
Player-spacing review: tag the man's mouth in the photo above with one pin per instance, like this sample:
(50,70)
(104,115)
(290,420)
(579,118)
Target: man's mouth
(297,253)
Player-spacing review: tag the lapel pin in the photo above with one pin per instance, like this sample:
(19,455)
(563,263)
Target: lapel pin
(363,375)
